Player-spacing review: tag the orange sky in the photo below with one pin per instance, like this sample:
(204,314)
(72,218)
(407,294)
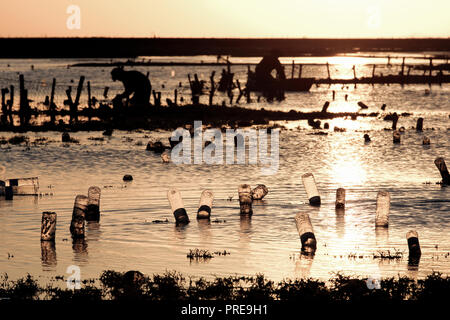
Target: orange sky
(228,18)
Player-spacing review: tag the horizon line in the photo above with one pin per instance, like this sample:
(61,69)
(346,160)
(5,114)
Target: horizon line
(225,38)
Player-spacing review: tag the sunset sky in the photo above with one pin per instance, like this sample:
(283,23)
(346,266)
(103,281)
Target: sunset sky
(228,18)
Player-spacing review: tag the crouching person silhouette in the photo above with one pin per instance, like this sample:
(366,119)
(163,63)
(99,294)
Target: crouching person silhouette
(135,83)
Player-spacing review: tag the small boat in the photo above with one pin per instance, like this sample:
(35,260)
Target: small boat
(299,84)
(21,186)
(293,84)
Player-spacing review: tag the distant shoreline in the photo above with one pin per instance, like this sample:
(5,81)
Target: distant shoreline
(252,47)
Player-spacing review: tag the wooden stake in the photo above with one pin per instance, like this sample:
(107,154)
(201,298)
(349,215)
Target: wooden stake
(52,106)
(396,137)
(328,71)
(105,92)
(48,226)
(89,94)
(213,88)
(78,216)
(325,106)
(431,67)
(442,167)
(403,67)
(293,69)
(245,199)
(24,110)
(419,126)
(11,104)
(383,207)
(340,198)
(77,97)
(394,121)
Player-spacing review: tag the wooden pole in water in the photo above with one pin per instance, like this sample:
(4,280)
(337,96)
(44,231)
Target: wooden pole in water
(259,192)
(51,106)
(431,68)
(403,67)
(396,137)
(306,233)
(78,216)
(245,199)
(354,73)
(11,104)
(176,203)
(311,189)
(175,93)
(4,92)
(442,167)
(383,208)
(205,206)
(155,98)
(24,109)
(89,94)
(394,121)
(241,92)
(419,126)
(413,245)
(328,71)
(340,198)
(93,207)
(326,105)
(77,97)
(300,71)
(293,69)
(48,226)
(213,88)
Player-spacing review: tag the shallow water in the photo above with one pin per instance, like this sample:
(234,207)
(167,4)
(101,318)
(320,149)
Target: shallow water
(267,243)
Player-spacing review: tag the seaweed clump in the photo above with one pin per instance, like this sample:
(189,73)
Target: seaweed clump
(173,286)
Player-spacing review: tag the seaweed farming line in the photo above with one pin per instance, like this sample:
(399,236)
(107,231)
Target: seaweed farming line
(87,209)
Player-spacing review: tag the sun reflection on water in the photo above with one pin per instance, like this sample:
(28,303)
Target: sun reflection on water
(347,62)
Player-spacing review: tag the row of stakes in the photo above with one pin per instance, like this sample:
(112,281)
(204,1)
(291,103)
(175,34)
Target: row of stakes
(87,208)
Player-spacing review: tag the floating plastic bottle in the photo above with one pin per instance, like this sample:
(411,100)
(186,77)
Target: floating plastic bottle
(306,233)
(176,203)
(383,207)
(311,189)
(205,206)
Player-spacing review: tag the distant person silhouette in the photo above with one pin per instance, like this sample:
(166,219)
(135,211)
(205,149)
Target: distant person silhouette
(268,64)
(266,80)
(135,83)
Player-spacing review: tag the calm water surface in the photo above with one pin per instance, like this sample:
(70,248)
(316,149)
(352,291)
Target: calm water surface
(267,243)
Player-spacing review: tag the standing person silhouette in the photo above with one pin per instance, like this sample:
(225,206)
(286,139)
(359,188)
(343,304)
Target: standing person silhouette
(135,83)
